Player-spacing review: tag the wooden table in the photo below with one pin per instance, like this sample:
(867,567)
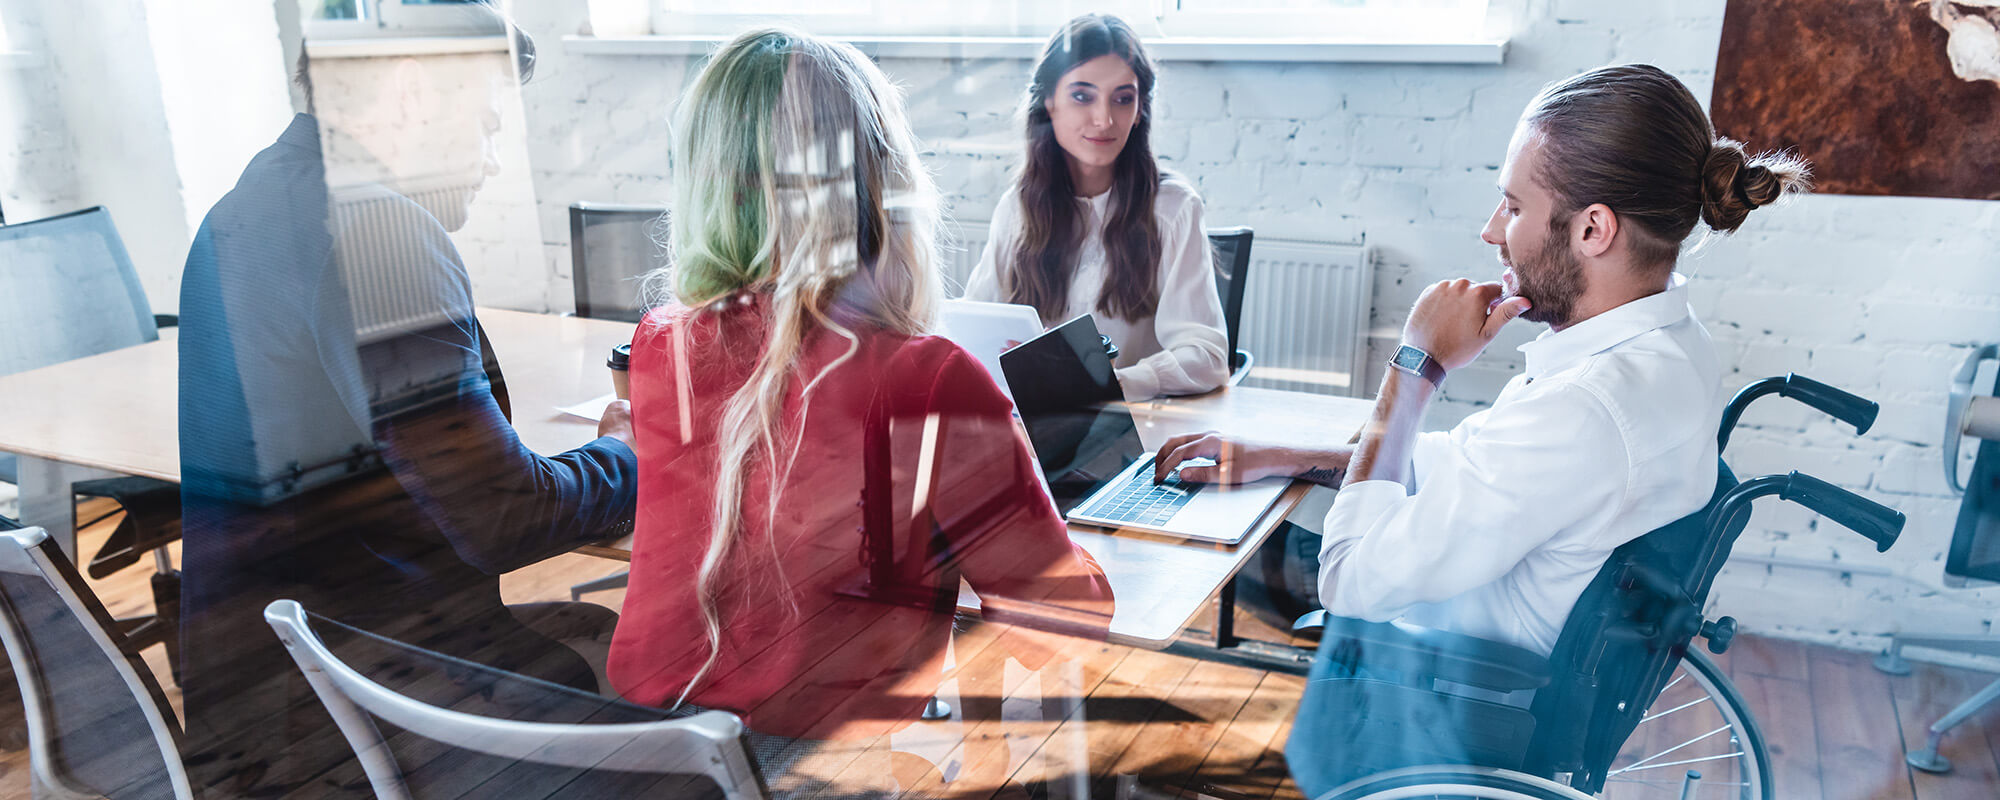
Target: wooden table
(117,413)
(1162,583)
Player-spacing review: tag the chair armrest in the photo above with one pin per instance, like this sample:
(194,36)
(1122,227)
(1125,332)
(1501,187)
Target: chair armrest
(1433,653)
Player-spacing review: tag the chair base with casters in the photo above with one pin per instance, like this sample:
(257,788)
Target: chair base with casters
(1891,661)
(1394,710)
(593,735)
(1970,559)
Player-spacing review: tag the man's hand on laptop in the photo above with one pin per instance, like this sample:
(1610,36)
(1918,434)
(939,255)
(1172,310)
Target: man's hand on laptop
(1246,462)
(1454,320)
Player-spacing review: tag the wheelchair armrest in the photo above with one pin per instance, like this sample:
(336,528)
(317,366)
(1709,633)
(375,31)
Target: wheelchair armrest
(1438,654)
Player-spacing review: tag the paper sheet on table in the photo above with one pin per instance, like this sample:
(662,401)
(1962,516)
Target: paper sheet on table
(592,409)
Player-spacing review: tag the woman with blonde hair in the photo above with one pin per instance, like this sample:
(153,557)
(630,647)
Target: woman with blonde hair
(816,473)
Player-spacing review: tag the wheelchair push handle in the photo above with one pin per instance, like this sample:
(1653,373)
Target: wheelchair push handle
(1878,522)
(1844,406)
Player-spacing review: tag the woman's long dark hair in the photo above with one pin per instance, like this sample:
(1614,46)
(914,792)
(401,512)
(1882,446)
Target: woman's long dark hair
(1044,256)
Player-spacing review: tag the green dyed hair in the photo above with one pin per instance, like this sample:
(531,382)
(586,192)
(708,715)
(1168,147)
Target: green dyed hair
(723,182)
(796,174)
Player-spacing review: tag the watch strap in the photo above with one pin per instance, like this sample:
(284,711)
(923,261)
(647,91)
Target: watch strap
(1428,369)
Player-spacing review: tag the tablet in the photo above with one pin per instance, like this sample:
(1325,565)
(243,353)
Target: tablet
(985,329)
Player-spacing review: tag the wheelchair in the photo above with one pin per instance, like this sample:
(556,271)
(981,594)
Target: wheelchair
(1622,706)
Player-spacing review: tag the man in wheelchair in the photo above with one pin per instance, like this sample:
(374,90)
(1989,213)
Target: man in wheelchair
(1479,541)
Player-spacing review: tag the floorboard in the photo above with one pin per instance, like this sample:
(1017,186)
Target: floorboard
(1178,727)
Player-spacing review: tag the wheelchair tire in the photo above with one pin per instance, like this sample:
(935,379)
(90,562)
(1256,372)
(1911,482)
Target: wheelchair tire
(1444,781)
(1751,761)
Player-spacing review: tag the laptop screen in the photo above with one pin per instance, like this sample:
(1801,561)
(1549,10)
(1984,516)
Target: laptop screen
(1066,392)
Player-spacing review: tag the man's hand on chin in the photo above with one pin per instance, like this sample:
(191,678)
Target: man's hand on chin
(1452,321)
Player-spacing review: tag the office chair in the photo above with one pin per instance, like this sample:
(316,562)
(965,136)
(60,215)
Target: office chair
(1232,273)
(610,248)
(73,277)
(1418,711)
(1974,557)
(98,724)
(467,730)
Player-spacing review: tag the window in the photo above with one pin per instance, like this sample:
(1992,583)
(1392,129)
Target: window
(358,19)
(1342,20)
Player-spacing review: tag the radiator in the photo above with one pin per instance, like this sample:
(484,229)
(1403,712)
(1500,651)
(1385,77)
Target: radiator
(1305,310)
(388,243)
(1305,316)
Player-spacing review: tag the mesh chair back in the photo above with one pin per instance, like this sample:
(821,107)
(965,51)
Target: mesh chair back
(1975,541)
(1232,272)
(423,724)
(71,276)
(610,248)
(98,724)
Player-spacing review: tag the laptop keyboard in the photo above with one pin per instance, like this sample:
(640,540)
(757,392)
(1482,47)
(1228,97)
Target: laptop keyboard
(1142,502)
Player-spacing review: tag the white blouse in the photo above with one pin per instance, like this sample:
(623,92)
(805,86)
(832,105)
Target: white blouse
(1181,349)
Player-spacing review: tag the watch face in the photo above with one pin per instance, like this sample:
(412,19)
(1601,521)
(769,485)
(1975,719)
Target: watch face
(1410,358)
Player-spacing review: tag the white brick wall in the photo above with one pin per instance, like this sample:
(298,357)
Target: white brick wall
(1881,296)
(147,110)
(499,242)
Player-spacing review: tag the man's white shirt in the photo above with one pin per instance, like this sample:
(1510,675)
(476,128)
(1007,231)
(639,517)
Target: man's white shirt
(1609,433)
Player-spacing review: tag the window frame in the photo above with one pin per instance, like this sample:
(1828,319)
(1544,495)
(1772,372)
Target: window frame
(1152,19)
(391,19)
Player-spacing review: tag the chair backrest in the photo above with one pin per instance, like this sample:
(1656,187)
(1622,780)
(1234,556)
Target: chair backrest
(75,287)
(1974,555)
(98,724)
(1232,273)
(538,739)
(1593,668)
(610,248)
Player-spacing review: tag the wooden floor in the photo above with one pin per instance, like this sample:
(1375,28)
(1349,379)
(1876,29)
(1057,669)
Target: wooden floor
(1173,726)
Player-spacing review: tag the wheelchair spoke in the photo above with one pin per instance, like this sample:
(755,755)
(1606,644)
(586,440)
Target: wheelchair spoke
(1636,765)
(1652,782)
(1651,717)
(1637,768)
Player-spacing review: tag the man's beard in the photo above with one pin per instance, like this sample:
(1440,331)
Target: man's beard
(1552,279)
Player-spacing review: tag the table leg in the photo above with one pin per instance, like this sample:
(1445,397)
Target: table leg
(1225,616)
(1227,648)
(47,502)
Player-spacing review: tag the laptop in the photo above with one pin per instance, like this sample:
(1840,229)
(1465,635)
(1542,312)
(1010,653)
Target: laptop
(985,329)
(1090,453)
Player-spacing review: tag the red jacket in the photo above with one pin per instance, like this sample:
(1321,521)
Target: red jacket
(821,638)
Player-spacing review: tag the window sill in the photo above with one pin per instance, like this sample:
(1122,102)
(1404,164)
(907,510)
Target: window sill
(1027,48)
(404,46)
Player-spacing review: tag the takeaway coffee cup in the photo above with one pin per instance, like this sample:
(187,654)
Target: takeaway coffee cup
(620,363)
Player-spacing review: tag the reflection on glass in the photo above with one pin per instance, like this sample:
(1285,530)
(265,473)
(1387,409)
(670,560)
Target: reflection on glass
(345,430)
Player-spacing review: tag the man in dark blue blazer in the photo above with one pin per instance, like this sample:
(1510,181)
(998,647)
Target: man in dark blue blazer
(345,443)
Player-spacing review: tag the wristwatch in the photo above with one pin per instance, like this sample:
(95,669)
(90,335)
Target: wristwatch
(1419,363)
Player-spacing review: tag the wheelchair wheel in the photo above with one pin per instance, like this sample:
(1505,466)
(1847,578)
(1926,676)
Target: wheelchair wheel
(1699,722)
(1454,782)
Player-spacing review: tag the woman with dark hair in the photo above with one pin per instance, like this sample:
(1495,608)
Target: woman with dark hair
(1092,225)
